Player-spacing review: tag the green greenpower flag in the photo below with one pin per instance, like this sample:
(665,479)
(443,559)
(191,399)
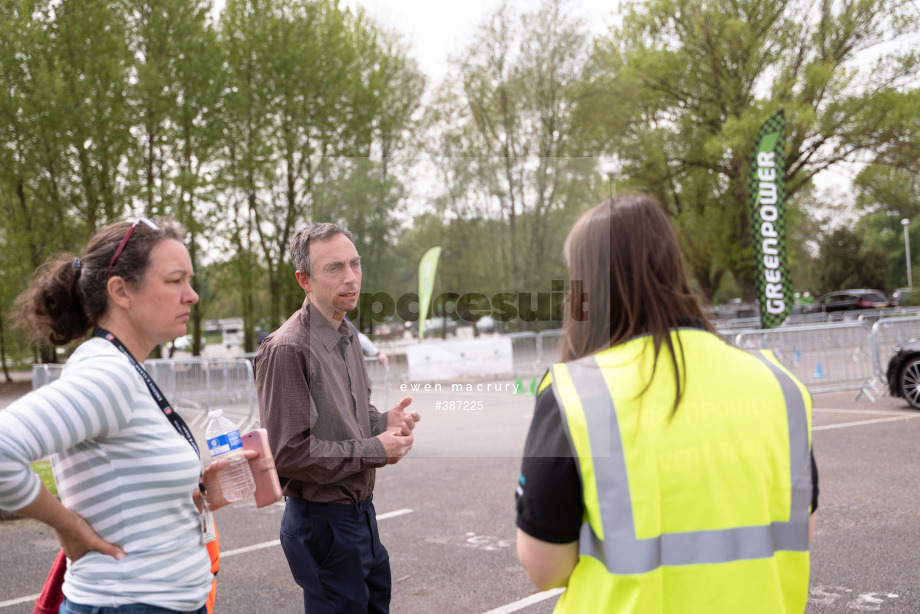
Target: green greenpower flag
(427,267)
(767,194)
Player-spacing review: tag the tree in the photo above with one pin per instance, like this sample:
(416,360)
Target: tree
(398,84)
(176,109)
(91,56)
(505,143)
(64,128)
(197,131)
(312,89)
(844,262)
(691,82)
(358,198)
(888,195)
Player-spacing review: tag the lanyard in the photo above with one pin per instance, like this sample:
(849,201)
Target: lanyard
(172,415)
(208,533)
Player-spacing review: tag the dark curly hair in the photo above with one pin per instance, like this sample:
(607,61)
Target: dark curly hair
(64,301)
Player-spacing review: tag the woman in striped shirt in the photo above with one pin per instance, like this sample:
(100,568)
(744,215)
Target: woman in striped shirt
(128,518)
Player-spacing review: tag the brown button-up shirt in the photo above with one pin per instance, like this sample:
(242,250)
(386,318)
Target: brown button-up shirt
(314,394)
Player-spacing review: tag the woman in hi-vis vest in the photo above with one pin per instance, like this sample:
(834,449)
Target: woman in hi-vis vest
(665,471)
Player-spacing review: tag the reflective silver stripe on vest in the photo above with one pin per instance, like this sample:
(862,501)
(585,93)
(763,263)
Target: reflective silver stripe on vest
(622,553)
(799,448)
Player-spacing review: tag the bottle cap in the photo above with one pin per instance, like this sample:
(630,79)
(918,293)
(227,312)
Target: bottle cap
(215,413)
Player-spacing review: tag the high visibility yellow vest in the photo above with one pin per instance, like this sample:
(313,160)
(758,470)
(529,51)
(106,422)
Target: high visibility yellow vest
(705,511)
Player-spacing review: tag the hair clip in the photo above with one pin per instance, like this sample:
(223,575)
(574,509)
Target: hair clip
(77,264)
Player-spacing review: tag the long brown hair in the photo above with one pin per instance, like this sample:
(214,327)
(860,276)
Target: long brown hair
(66,298)
(626,279)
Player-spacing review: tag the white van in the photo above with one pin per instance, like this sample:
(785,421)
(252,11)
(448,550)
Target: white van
(231,337)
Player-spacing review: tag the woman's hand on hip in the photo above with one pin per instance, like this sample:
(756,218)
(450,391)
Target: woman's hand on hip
(77,538)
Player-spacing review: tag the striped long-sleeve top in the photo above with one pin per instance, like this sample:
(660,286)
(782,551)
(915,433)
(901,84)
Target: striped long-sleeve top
(120,465)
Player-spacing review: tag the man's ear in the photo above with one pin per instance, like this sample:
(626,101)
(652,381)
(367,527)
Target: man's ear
(118,292)
(303,279)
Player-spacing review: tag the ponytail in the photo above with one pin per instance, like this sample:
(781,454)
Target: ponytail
(51,310)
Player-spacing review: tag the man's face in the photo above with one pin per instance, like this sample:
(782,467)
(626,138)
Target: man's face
(335,281)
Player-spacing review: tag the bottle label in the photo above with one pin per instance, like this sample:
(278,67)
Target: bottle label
(225,443)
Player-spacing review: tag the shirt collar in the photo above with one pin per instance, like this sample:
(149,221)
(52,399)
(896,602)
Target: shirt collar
(322,328)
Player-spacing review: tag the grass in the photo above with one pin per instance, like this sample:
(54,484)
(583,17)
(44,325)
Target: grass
(43,469)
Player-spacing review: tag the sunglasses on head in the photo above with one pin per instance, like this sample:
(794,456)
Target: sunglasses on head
(121,246)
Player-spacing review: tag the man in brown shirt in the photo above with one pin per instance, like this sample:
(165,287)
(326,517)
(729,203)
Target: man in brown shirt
(326,437)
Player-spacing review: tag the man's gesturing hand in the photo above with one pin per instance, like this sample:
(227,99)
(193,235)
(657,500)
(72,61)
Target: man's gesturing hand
(396,445)
(399,420)
(398,438)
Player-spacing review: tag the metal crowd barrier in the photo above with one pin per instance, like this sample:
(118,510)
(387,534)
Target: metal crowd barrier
(525,352)
(193,386)
(821,317)
(887,334)
(549,343)
(379,375)
(196,385)
(737,324)
(826,358)
(804,318)
(45,374)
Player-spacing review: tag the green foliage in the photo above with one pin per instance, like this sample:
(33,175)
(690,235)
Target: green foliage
(285,112)
(844,262)
(230,128)
(512,169)
(313,89)
(43,469)
(695,80)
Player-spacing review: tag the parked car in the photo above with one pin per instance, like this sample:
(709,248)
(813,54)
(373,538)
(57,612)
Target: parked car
(389,329)
(848,300)
(384,330)
(905,297)
(737,309)
(231,337)
(184,343)
(904,372)
(486,324)
(433,327)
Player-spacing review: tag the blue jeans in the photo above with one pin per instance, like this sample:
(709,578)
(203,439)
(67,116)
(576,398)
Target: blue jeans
(69,607)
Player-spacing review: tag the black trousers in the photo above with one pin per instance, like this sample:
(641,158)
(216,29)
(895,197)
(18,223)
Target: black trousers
(336,557)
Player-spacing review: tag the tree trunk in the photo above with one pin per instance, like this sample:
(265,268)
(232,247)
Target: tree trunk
(6,372)
(196,308)
(47,354)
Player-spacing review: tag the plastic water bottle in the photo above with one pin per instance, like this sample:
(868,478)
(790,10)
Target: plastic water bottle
(224,442)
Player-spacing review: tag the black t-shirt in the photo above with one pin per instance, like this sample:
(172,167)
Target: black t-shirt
(549,501)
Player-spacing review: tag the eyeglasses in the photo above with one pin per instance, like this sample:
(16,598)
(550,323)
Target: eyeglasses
(121,246)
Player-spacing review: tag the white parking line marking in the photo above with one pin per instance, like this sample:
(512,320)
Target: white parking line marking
(223,555)
(527,601)
(880,412)
(6,604)
(245,549)
(277,542)
(861,423)
(393,514)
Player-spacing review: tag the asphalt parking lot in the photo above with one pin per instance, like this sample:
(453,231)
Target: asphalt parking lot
(446,515)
